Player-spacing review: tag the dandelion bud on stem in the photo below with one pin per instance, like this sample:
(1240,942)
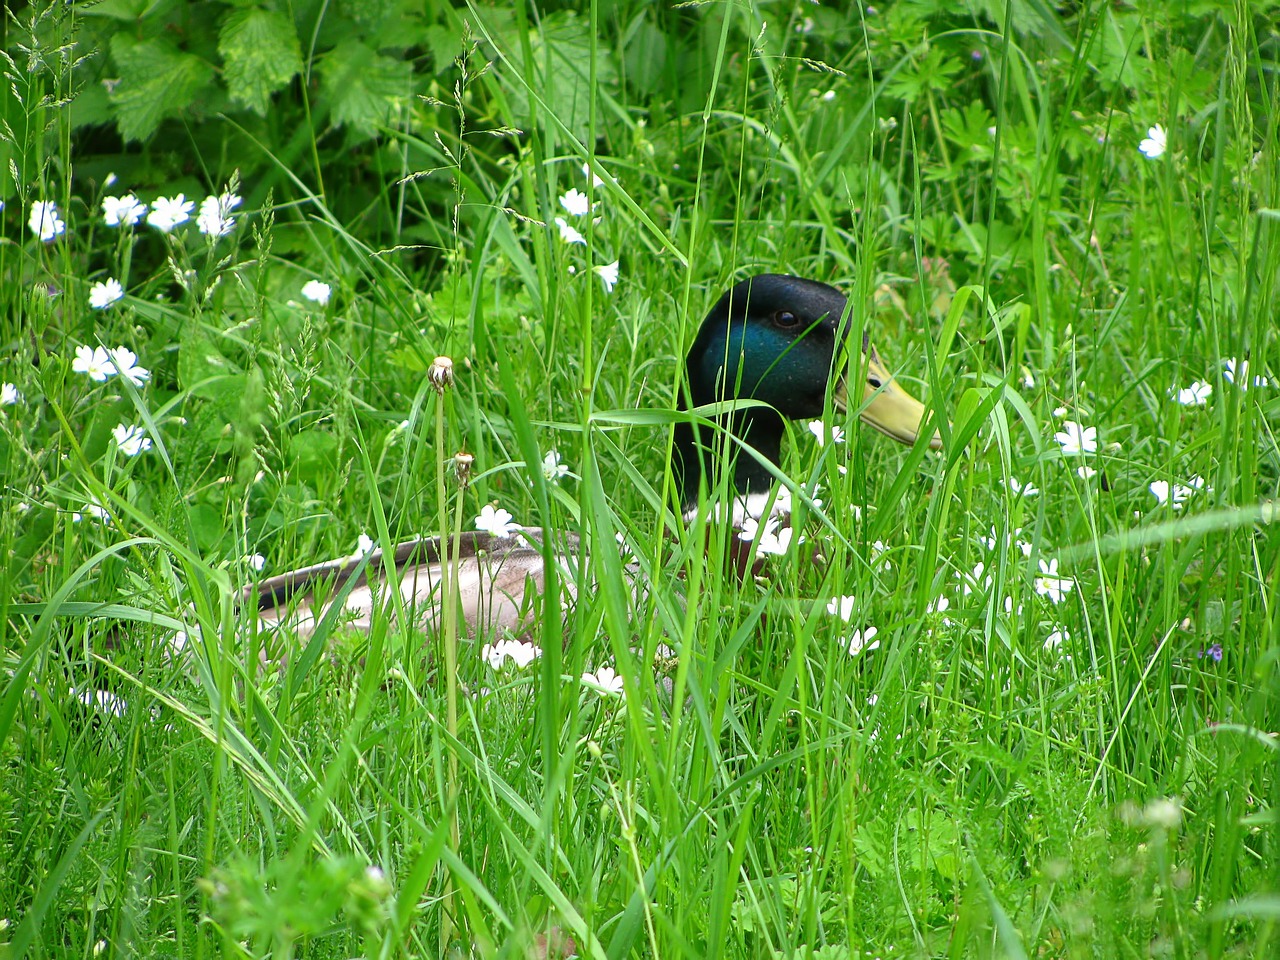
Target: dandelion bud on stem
(440,374)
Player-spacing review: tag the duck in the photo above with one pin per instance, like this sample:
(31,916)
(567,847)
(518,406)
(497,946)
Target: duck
(775,339)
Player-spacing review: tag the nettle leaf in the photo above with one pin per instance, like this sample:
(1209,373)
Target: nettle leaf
(156,80)
(561,48)
(362,86)
(260,53)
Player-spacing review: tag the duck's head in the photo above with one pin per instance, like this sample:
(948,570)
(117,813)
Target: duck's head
(780,339)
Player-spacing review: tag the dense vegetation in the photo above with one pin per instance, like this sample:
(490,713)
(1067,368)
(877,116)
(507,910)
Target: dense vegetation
(1057,222)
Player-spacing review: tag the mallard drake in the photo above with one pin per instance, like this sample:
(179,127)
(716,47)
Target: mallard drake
(773,338)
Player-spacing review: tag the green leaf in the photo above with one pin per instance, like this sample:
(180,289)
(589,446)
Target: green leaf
(156,80)
(260,53)
(362,86)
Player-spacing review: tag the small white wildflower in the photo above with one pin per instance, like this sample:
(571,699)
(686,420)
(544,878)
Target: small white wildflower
(364,544)
(863,641)
(775,539)
(256,562)
(168,213)
(1076,439)
(1023,490)
(104,294)
(9,395)
(1028,380)
(1056,639)
(93,362)
(521,654)
(976,580)
(93,510)
(123,211)
(819,430)
(131,440)
(1237,372)
(214,219)
(1050,585)
(317,291)
(829,96)
(496,522)
(1155,143)
(595,180)
(45,222)
(568,234)
(575,202)
(939,605)
(842,607)
(126,365)
(1196,395)
(552,468)
(608,274)
(1085,473)
(605,681)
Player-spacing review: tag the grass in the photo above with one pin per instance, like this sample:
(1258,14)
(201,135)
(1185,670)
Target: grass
(963,789)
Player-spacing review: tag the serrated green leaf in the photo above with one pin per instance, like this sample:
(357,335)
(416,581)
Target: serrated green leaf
(156,80)
(260,53)
(362,86)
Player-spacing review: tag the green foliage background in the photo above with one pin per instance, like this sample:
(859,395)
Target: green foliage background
(967,173)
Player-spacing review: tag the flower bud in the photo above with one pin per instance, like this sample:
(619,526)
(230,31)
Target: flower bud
(441,374)
(462,462)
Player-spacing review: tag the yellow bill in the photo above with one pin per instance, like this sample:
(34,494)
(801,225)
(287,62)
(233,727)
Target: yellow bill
(888,407)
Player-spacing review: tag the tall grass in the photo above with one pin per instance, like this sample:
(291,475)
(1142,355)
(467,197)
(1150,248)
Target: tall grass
(998,775)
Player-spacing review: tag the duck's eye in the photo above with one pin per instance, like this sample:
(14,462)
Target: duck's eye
(874,382)
(785,318)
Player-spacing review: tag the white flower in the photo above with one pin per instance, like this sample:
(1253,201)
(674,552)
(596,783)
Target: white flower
(1176,493)
(939,605)
(103,295)
(575,202)
(93,510)
(586,172)
(1056,639)
(1155,144)
(126,364)
(317,291)
(608,272)
(819,429)
(975,580)
(94,362)
(1028,380)
(842,607)
(1050,585)
(605,681)
(131,440)
(1013,539)
(256,562)
(829,96)
(1196,395)
(1076,439)
(123,211)
(364,544)
(1021,490)
(521,654)
(552,468)
(861,641)
(1085,473)
(775,539)
(496,522)
(214,219)
(166,214)
(45,222)
(568,234)
(9,395)
(1237,372)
